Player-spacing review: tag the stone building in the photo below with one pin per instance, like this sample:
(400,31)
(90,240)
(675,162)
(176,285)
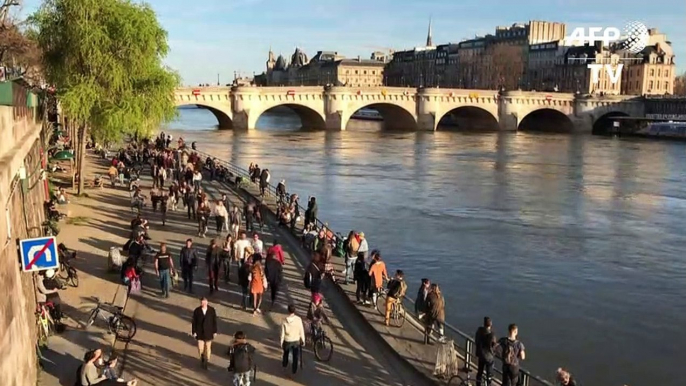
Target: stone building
(553,66)
(325,68)
(488,62)
(652,71)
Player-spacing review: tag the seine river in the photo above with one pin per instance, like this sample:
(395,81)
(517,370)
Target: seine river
(577,239)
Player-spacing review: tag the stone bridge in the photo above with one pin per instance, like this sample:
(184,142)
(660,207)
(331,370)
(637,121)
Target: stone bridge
(411,109)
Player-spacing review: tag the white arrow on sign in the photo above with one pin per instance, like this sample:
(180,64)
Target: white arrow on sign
(36,249)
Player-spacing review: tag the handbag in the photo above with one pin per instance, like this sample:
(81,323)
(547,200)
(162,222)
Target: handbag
(135,286)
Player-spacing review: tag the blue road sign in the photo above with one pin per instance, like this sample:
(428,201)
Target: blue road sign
(39,254)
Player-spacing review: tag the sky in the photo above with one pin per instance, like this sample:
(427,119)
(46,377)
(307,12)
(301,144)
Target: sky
(211,37)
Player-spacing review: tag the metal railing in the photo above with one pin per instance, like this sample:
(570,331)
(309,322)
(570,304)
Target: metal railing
(466,351)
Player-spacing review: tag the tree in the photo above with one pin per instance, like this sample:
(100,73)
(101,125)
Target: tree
(507,65)
(104,58)
(680,84)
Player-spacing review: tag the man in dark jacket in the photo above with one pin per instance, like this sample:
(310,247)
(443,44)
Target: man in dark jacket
(244,282)
(189,263)
(136,249)
(204,329)
(264,181)
(420,302)
(213,261)
(241,362)
(274,274)
(485,343)
(190,203)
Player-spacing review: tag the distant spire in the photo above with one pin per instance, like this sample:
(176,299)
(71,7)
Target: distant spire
(429,40)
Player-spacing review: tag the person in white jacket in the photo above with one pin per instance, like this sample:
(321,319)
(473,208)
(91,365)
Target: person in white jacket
(292,337)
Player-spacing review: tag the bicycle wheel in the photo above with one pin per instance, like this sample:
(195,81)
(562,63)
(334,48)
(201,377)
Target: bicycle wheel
(323,348)
(91,318)
(398,316)
(381,304)
(460,380)
(73,277)
(63,272)
(42,335)
(124,327)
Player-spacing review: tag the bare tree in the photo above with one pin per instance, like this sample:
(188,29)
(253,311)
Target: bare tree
(506,67)
(680,84)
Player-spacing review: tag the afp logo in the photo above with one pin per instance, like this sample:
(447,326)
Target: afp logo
(636,36)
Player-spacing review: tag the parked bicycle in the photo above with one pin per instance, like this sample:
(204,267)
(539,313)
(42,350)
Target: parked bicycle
(124,327)
(45,325)
(67,272)
(321,344)
(397,317)
(463,379)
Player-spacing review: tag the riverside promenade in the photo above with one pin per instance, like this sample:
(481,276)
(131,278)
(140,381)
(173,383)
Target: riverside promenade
(407,342)
(163,352)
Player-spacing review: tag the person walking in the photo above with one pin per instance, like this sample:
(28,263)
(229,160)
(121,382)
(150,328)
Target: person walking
(240,359)
(257,286)
(511,351)
(311,212)
(277,251)
(240,246)
(188,259)
(244,282)
(204,330)
(257,244)
(377,274)
(292,337)
(265,176)
(213,262)
(164,265)
(203,217)
(274,273)
(227,257)
(220,215)
(235,220)
(350,246)
(362,279)
(485,343)
(363,249)
(420,301)
(248,213)
(435,314)
(190,201)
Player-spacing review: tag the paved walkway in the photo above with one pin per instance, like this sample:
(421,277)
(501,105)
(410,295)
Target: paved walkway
(163,353)
(407,341)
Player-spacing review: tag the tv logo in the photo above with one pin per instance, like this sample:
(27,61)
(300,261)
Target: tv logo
(636,38)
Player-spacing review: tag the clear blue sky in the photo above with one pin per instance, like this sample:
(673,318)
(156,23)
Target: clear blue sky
(208,37)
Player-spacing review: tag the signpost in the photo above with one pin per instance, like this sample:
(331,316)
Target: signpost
(196,92)
(38,254)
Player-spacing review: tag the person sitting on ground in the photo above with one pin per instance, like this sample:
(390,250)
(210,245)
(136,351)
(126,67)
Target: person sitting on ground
(62,197)
(565,378)
(89,375)
(396,292)
(316,313)
(240,359)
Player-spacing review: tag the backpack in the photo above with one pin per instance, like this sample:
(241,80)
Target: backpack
(394,287)
(510,354)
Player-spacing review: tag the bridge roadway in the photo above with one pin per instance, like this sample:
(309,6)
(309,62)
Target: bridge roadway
(410,109)
(162,353)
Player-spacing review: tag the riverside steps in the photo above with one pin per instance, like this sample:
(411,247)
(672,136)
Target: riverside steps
(163,353)
(406,342)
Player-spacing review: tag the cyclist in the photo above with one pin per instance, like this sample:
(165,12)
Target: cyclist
(396,292)
(315,314)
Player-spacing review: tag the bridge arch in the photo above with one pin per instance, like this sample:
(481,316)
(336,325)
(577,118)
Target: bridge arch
(468,118)
(395,117)
(546,119)
(310,118)
(604,123)
(224,120)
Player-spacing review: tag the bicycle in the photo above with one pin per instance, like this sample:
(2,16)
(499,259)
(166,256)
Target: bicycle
(397,316)
(68,273)
(321,344)
(124,327)
(463,379)
(44,324)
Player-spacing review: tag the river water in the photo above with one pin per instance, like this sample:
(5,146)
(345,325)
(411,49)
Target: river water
(577,239)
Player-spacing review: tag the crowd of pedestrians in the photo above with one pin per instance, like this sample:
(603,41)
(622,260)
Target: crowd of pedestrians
(177,182)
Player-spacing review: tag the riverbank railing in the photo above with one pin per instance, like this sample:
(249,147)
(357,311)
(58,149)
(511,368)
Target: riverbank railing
(465,345)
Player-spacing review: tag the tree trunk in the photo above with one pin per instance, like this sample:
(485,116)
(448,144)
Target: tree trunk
(81,157)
